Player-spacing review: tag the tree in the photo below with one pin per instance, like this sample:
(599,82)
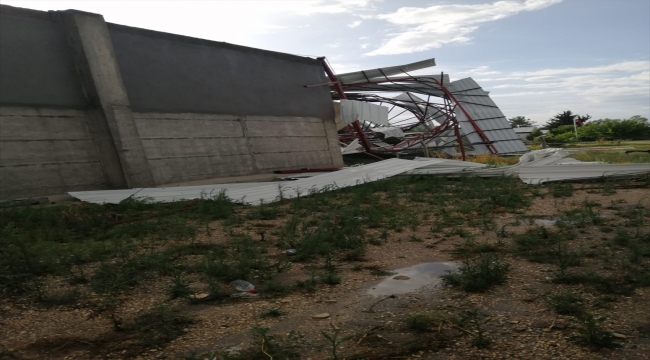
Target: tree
(634,128)
(566,118)
(520,121)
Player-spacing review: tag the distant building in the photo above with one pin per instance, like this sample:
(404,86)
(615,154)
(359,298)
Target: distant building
(523,132)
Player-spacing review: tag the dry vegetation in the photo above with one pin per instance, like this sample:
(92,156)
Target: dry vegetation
(139,280)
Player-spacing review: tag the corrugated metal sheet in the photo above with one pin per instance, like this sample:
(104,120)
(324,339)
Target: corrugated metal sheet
(580,171)
(488,117)
(169,194)
(257,193)
(361,111)
(525,129)
(369,75)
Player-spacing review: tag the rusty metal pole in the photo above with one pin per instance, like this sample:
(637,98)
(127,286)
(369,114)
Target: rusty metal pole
(460,142)
(339,90)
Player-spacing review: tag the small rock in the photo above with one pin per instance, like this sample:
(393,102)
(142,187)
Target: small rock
(620,336)
(514,322)
(529,298)
(520,328)
(320,316)
(330,301)
(401,277)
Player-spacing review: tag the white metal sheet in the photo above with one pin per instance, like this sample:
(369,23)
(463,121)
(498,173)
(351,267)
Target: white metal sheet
(361,111)
(257,193)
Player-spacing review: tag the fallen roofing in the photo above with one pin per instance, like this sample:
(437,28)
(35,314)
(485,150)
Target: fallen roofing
(462,107)
(258,193)
(540,166)
(535,167)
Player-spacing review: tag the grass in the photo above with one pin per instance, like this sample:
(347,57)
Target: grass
(478,274)
(611,157)
(566,303)
(424,321)
(108,252)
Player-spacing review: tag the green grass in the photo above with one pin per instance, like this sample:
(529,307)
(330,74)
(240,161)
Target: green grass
(478,274)
(110,251)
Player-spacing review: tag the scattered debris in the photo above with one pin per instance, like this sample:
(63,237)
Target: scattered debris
(430,112)
(535,167)
(320,316)
(243,286)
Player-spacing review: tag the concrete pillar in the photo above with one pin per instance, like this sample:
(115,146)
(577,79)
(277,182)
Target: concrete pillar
(111,120)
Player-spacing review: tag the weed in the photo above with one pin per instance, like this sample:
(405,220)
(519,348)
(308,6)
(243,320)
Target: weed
(603,302)
(414,238)
(274,288)
(335,341)
(273,313)
(379,272)
(479,274)
(477,319)
(331,278)
(180,288)
(425,320)
(592,335)
(566,303)
(559,190)
(308,284)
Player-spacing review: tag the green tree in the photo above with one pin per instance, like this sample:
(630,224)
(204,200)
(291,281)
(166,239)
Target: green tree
(565,118)
(520,121)
(634,128)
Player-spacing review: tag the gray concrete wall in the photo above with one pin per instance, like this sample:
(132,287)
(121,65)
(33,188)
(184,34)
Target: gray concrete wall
(88,105)
(46,152)
(189,146)
(36,67)
(171,73)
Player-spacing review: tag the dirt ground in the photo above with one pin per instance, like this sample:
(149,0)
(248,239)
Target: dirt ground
(515,316)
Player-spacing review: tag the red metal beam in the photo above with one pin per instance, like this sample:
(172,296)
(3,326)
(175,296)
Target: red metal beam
(339,90)
(459,105)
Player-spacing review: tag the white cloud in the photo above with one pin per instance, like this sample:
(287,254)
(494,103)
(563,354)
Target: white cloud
(212,20)
(341,68)
(328,7)
(354,24)
(333,46)
(434,26)
(364,46)
(617,90)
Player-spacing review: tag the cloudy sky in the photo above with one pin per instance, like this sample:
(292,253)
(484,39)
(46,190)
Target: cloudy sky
(537,57)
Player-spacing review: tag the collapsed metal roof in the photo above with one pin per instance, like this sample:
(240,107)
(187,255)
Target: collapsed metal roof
(435,105)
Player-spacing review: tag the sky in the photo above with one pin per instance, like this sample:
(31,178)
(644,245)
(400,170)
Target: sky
(537,58)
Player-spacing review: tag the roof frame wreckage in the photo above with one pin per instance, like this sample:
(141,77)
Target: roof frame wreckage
(458,114)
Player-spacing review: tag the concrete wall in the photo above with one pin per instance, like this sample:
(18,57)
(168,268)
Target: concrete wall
(190,146)
(89,105)
(46,152)
(171,73)
(36,64)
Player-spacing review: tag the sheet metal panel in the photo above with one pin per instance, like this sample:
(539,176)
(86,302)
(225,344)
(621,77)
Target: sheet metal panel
(363,76)
(580,171)
(487,116)
(361,111)
(257,193)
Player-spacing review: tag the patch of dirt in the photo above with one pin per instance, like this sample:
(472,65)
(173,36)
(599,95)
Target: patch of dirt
(519,323)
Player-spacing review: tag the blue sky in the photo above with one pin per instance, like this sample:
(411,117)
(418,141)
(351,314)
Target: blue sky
(536,57)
